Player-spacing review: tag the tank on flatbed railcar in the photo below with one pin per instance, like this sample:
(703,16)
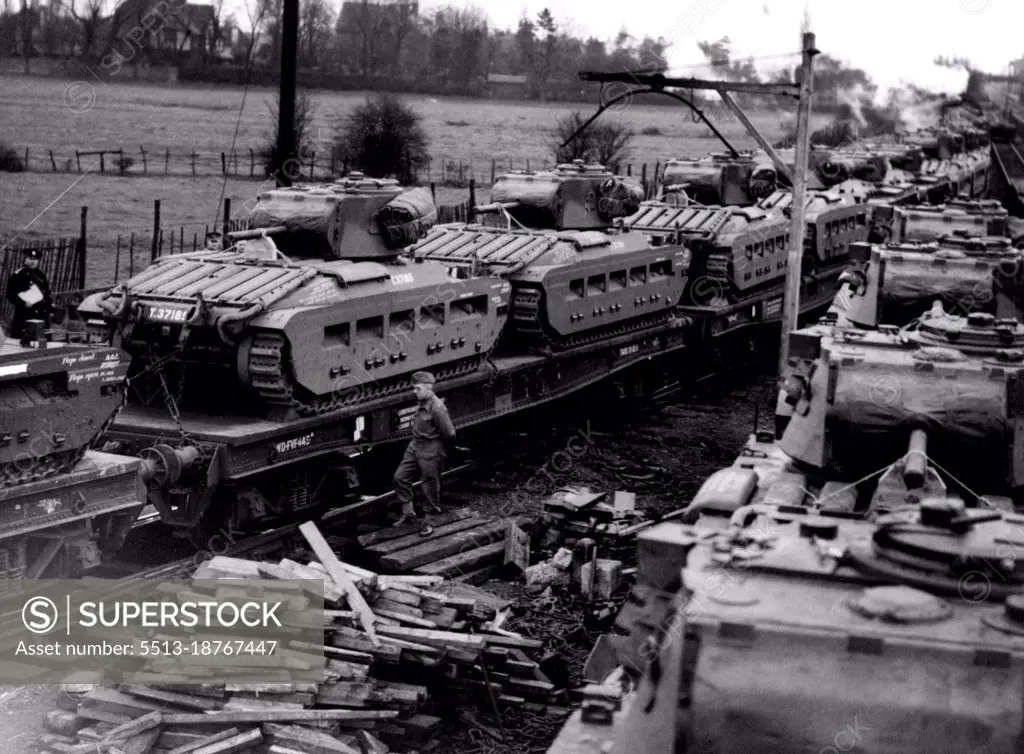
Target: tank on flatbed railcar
(891,284)
(575,277)
(62,506)
(739,255)
(313,309)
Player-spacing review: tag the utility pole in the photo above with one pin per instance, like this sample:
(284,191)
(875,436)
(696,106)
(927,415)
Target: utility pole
(791,304)
(282,167)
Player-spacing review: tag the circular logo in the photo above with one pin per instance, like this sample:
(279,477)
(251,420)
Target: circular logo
(884,392)
(705,290)
(974,587)
(79,97)
(611,94)
(974,7)
(40,615)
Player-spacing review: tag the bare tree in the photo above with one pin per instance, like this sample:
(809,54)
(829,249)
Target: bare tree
(315,21)
(89,23)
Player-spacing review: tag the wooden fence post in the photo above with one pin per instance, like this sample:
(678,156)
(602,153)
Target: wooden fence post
(252,162)
(117,259)
(193,162)
(53,162)
(156,230)
(470,214)
(195,241)
(145,167)
(167,160)
(433,192)
(223,163)
(160,246)
(102,168)
(227,220)
(82,248)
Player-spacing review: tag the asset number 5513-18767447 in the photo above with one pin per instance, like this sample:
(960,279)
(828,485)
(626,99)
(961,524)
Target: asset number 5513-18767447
(166,314)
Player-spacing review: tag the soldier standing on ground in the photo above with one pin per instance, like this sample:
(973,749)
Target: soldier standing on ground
(425,456)
(29,291)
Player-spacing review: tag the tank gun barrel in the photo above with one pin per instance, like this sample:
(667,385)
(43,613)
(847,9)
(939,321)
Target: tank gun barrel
(917,461)
(242,235)
(495,207)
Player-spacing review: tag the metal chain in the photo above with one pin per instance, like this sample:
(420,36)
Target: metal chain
(172,408)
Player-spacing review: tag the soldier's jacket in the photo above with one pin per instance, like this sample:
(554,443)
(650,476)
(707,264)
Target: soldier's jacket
(432,423)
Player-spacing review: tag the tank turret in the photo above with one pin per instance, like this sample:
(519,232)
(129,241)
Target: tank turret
(892,283)
(353,218)
(858,400)
(302,315)
(573,196)
(719,179)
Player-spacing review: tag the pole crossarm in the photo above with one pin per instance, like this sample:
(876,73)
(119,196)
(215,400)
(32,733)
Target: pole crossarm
(660,81)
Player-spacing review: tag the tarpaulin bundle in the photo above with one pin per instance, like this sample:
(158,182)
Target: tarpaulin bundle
(619,198)
(539,191)
(405,219)
(310,216)
(763,180)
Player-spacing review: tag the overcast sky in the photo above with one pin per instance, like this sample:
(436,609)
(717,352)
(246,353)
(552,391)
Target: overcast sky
(890,39)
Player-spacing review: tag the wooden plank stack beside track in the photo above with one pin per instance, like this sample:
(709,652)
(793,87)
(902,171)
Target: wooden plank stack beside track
(464,547)
(397,648)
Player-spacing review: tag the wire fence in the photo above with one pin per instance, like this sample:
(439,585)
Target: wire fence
(252,164)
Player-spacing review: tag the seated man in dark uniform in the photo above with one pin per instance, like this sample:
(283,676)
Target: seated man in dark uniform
(29,291)
(425,456)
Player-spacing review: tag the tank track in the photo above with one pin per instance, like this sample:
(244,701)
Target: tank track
(269,377)
(528,323)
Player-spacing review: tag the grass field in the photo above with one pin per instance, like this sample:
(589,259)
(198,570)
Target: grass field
(49,114)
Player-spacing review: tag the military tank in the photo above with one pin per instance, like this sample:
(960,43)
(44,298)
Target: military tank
(55,398)
(575,276)
(739,252)
(63,505)
(316,307)
(985,217)
(892,283)
(947,386)
(781,629)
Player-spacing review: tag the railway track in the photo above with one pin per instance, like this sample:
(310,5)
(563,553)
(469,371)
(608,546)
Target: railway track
(268,541)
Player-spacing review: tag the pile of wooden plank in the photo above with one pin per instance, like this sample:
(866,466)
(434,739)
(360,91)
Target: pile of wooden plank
(397,648)
(464,546)
(578,512)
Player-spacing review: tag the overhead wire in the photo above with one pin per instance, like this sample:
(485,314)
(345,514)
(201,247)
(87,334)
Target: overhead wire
(238,120)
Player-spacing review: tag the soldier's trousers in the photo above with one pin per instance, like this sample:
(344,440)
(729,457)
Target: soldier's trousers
(422,461)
